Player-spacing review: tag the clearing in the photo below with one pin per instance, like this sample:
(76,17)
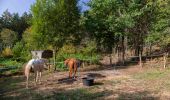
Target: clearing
(130,83)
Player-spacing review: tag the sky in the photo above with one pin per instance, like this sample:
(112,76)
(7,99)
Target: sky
(21,6)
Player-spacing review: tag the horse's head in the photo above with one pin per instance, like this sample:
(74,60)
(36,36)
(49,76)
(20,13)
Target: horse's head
(44,62)
(79,62)
(66,62)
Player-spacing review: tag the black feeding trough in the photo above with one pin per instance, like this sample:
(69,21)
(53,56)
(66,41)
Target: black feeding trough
(88,81)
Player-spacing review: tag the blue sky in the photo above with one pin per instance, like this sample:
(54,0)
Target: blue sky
(21,6)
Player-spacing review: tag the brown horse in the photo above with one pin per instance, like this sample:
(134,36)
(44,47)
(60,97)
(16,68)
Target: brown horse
(73,64)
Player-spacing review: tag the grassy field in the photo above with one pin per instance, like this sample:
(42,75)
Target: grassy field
(130,83)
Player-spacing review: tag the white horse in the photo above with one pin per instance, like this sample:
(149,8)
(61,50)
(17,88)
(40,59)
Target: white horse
(37,65)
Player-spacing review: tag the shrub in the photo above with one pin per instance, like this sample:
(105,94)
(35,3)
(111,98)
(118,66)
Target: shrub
(20,52)
(7,52)
(17,49)
(89,48)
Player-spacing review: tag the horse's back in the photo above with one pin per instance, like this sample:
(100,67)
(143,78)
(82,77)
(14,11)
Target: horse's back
(73,62)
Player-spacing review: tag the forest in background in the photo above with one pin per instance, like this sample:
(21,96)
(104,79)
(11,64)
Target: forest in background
(108,27)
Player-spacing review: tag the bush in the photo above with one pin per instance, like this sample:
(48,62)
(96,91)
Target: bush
(7,52)
(20,52)
(17,49)
(61,66)
(89,48)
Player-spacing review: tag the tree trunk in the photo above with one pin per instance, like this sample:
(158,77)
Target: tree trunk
(110,55)
(123,50)
(150,49)
(54,57)
(118,54)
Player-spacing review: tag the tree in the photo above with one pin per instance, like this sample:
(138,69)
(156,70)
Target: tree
(8,37)
(6,19)
(20,24)
(126,24)
(15,23)
(108,21)
(159,33)
(55,22)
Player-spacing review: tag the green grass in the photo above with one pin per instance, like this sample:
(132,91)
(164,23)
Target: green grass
(9,62)
(154,79)
(152,74)
(12,65)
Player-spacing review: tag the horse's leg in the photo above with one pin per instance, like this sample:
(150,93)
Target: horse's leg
(36,77)
(27,80)
(40,77)
(70,71)
(75,70)
(27,71)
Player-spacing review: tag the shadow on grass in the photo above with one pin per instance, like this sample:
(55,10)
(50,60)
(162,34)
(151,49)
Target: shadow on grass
(11,84)
(75,94)
(81,94)
(141,95)
(95,75)
(66,80)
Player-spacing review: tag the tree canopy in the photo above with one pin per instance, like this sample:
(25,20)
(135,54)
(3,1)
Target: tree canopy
(55,22)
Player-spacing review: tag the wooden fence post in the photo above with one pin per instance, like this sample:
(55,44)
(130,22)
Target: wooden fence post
(54,54)
(165,59)
(83,63)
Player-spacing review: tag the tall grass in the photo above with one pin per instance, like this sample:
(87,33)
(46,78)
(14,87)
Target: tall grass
(93,59)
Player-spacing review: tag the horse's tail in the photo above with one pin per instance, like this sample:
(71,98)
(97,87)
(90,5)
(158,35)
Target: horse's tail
(23,67)
(27,69)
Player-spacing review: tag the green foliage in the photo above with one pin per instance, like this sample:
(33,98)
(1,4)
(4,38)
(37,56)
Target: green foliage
(159,33)
(17,49)
(55,22)
(86,53)
(108,20)
(160,38)
(15,23)
(89,48)
(20,52)
(31,40)
(11,65)
(8,37)
(67,49)
(10,62)
(61,66)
